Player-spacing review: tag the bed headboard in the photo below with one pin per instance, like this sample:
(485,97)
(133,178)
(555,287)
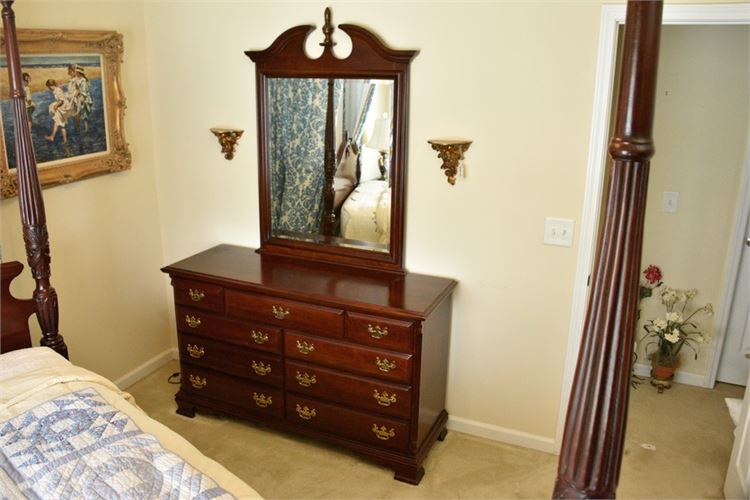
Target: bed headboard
(30,201)
(14,321)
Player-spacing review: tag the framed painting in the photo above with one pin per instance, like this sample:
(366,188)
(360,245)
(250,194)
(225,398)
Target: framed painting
(74,106)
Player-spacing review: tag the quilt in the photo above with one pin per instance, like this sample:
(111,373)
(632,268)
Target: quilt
(78,446)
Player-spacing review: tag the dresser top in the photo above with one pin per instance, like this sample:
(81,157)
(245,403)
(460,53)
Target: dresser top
(242,268)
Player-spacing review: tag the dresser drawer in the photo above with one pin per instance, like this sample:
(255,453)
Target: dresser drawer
(233,390)
(266,338)
(287,313)
(367,394)
(380,332)
(226,358)
(349,357)
(372,429)
(200,295)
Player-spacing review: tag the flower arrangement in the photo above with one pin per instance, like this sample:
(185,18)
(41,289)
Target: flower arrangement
(675,330)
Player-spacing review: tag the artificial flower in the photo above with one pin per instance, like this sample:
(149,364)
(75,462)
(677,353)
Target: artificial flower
(673,337)
(674,317)
(653,274)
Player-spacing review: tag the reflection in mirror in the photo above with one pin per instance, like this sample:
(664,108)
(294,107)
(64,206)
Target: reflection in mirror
(358,207)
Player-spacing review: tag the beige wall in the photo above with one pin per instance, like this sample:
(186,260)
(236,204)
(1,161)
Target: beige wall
(701,134)
(106,244)
(483,72)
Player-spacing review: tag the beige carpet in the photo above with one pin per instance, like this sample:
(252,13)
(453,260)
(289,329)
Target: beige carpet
(690,428)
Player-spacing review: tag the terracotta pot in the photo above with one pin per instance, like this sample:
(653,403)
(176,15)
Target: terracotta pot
(663,372)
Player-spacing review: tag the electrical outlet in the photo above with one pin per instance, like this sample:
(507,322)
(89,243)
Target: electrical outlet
(558,232)
(669,202)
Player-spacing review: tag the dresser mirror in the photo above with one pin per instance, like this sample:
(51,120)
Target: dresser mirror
(332,138)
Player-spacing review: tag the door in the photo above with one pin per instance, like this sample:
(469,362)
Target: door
(737,483)
(734,367)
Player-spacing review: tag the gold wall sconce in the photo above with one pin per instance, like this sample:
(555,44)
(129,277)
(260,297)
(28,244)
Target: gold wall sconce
(451,151)
(228,138)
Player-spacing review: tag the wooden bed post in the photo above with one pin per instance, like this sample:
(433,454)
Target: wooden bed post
(595,427)
(30,199)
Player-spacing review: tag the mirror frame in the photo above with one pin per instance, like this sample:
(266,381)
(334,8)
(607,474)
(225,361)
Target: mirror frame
(369,58)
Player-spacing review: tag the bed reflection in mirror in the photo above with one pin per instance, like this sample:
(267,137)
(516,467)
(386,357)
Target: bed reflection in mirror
(362,141)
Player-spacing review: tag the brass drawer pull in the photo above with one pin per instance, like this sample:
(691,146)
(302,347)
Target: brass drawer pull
(259,337)
(305,413)
(197,382)
(377,332)
(384,399)
(280,312)
(192,321)
(384,365)
(260,368)
(262,400)
(305,348)
(306,380)
(382,432)
(195,351)
(196,295)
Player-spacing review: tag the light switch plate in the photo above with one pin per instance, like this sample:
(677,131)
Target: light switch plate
(558,231)
(669,202)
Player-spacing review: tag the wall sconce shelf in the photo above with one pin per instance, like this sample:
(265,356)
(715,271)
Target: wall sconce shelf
(451,151)
(228,138)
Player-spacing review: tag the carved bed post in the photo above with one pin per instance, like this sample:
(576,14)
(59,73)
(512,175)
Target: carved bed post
(30,199)
(329,162)
(595,427)
(329,165)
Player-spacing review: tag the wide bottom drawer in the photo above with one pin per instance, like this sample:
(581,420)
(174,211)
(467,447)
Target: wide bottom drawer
(371,429)
(236,391)
(370,395)
(200,351)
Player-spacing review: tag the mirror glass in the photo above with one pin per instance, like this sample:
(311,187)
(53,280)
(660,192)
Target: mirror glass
(363,144)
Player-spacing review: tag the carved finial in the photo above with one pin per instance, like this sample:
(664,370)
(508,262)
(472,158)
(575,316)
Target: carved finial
(327,29)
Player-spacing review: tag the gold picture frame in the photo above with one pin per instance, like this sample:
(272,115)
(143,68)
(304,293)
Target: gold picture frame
(90,141)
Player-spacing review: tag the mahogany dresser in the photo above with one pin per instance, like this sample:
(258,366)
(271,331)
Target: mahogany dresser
(352,357)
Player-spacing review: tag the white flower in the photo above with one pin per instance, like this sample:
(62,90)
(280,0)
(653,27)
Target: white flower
(660,325)
(674,317)
(691,293)
(673,337)
(699,338)
(668,296)
(708,309)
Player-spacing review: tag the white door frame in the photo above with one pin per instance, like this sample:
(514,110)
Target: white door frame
(612,17)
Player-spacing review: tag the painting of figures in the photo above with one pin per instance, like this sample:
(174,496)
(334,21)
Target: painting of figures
(65,107)
(75,107)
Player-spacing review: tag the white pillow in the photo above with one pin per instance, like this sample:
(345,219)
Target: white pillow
(369,159)
(348,165)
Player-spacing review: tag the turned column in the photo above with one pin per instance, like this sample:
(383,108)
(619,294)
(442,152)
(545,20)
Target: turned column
(30,199)
(592,446)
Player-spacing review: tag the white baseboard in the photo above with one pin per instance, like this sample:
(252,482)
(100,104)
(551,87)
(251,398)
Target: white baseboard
(501,434)
(146,368)
(680,377)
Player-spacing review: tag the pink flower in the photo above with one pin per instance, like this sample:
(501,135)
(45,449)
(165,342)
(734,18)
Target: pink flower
(653,274)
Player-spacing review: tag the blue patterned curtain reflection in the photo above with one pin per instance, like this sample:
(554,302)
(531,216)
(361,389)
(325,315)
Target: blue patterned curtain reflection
(297,118)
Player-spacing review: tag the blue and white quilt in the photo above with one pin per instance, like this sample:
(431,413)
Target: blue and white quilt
(78,446)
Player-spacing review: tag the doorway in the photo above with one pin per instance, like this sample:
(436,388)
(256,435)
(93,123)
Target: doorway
(612,18)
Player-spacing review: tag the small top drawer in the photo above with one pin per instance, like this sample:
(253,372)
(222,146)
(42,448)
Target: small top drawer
(320,320)
(380,332)
(200,295)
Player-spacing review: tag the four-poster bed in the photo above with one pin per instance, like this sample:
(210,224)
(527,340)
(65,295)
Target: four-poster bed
(592,447)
